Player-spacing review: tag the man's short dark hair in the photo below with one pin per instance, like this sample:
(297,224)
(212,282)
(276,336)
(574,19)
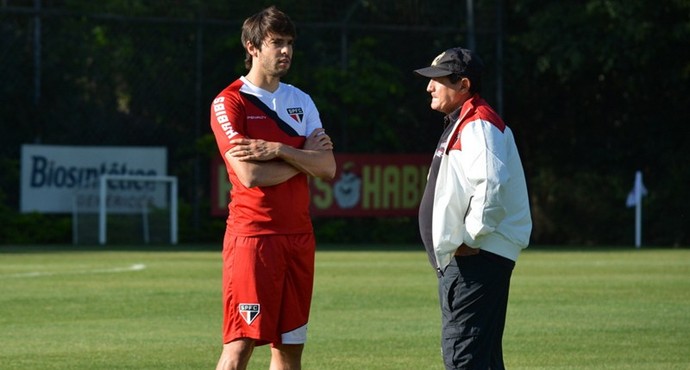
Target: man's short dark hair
(475,81)
(266,22)
(454,78)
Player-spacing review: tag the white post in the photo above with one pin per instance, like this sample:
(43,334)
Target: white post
(101,210)
(102,234)
(75,221)
(638,209)
(145,222)
(173,210)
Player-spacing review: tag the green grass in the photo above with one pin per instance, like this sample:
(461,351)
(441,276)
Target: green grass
(373,309)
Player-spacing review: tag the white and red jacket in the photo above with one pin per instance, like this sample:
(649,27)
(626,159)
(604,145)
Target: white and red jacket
(480,197)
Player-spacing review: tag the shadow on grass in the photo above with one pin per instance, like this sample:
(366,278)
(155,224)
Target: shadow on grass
(325,247)
(66,248)
(60,248)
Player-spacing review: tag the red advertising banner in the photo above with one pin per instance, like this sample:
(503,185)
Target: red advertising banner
(373,185)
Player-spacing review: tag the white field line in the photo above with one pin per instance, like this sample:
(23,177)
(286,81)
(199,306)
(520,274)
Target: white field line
(135,267)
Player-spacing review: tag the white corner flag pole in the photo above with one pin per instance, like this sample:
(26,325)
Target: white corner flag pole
(638,209)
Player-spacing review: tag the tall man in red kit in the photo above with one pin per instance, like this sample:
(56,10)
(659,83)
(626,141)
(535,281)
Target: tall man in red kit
(271,138)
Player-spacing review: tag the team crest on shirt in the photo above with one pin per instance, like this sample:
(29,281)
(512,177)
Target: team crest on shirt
(249,311)
(296,113)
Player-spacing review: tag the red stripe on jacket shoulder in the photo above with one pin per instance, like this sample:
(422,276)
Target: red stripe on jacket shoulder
(474,109)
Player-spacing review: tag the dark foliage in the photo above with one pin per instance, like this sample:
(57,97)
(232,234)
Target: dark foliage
(594,90)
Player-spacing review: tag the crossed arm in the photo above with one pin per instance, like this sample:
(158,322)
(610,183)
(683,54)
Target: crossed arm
(253,160)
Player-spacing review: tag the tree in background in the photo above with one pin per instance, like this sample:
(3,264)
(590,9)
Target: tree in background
(599,90)
(595,90)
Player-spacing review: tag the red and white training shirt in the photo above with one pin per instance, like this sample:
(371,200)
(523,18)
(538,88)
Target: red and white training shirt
(287,115)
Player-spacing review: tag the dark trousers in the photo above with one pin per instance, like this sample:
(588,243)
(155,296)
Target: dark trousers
(473,293)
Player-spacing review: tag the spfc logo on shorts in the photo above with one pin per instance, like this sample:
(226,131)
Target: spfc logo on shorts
(249,311)
(296,113)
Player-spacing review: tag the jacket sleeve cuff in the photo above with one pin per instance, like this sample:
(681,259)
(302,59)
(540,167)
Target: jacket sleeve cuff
(468,239)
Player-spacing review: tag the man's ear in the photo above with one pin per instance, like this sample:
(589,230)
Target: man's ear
(251,49)
(465,83)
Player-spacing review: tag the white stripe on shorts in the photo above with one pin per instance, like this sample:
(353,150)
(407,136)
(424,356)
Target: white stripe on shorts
(297,336)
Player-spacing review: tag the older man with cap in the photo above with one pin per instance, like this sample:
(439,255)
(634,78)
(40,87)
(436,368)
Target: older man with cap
(474,217)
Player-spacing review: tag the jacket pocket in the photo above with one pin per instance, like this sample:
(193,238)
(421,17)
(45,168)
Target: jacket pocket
(459,346)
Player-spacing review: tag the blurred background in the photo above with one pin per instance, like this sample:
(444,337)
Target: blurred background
(594,91)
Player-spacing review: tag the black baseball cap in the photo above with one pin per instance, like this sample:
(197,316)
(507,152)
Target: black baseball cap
(457,60)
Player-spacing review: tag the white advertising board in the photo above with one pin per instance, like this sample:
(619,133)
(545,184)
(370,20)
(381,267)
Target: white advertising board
(55,178)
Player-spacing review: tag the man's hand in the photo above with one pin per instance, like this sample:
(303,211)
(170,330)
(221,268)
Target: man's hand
(254,149)
(252,159)
(262,150)
(465,250)
(318,140)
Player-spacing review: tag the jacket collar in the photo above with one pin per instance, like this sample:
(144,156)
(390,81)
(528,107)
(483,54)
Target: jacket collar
(469,105)
(451,118)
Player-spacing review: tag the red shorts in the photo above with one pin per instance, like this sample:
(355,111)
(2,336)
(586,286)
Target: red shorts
(267,287)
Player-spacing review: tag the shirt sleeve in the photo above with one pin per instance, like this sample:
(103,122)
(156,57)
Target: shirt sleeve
(484,166)
(312,117)
(227,121)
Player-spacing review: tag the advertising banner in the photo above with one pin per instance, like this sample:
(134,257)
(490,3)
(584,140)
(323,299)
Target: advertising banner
(365,185)
(55,179)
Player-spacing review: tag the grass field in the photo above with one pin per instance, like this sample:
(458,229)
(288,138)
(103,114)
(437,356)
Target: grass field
(374,309)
